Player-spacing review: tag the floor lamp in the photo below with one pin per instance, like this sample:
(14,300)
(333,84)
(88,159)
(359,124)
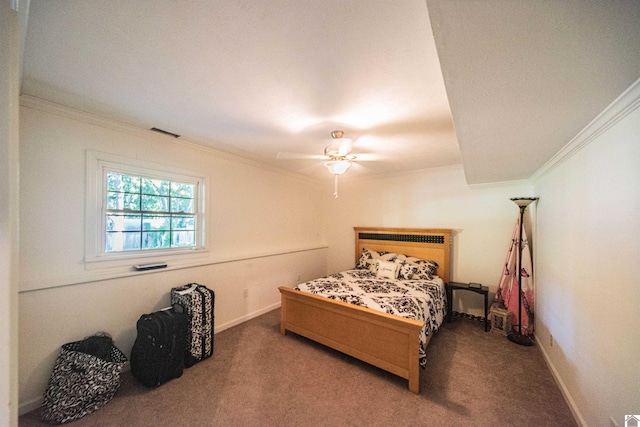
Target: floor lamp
(513,336)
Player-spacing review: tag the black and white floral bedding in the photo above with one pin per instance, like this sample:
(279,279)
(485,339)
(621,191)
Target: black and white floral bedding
(422,300)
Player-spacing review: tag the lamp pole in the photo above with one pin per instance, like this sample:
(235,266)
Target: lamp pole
(518,337)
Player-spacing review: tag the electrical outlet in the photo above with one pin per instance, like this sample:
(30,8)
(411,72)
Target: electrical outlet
(550,340)
(245,293)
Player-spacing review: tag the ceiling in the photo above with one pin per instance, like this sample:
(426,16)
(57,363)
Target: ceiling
(269,80)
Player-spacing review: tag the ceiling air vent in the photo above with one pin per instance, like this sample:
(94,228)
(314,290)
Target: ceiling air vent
(165,132)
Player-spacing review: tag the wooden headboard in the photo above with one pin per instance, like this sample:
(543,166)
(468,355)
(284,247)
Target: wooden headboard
(425,243)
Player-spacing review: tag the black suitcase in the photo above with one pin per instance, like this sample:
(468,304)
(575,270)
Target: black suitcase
(198,302)
(157,355)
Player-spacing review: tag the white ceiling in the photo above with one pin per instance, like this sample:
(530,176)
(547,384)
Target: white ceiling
(269,80)
(524,77)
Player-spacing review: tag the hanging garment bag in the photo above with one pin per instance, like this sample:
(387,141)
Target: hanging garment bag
(198,302)
(157,355)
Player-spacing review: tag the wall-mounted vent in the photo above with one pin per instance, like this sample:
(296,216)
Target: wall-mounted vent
(165,132)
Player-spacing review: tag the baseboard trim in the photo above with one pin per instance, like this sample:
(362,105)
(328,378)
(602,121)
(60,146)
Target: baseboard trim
(563,388)
(29,405)
(245,318)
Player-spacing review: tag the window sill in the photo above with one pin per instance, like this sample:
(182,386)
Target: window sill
(115,273)
(135,258)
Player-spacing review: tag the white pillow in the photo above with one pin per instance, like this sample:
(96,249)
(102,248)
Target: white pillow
(387,270)
(368,259)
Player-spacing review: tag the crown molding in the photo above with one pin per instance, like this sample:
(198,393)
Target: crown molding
(499,184)
(621,107)
(108,123)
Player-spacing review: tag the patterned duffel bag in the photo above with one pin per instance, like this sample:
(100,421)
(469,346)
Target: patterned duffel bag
(85,378)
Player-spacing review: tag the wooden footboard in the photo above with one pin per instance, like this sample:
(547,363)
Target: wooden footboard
(389,342)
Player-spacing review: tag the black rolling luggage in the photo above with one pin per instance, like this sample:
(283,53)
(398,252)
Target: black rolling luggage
(198,302)
(157,355)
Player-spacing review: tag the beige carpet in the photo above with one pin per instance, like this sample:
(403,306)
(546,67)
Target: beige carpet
(259,377)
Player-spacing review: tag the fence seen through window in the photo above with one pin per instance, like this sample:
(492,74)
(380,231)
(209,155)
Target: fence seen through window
(144,213)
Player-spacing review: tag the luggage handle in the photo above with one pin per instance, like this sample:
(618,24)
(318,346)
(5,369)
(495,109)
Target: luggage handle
(175,307)
(188,290)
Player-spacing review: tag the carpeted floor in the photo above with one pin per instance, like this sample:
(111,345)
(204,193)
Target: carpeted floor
(259,377)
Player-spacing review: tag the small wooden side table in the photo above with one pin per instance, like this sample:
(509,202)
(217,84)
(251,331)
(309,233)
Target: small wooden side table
(483,290)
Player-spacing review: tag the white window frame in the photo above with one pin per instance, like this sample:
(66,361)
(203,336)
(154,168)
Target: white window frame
(98,165)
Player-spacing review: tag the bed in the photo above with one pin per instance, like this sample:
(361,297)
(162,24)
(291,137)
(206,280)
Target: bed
(390,342)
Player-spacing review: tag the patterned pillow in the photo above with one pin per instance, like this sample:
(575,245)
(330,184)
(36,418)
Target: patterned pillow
(369,257)
(386,269)
(365,259)
(407,271)
(425,269)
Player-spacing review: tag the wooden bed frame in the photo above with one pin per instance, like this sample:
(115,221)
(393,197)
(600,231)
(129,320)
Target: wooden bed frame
(389,342)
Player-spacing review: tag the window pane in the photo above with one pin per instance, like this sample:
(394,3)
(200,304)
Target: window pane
(155,186)
(120,201)
(181,205)
(156,222)
(155,203)
(124,222)
(123,182)
(179,222)
(151,225)
(156,239)
(183,238)
(179,189)
(122,241)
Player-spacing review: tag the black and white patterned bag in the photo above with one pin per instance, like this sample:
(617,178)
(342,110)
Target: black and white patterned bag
(198,302)
(85,378)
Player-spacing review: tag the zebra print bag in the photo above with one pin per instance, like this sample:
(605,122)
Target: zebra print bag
(82,382)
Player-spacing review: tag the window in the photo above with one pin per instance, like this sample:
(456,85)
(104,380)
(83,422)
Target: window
(138,209)
(143,213)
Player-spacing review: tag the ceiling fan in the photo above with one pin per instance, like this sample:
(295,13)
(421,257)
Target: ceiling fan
(339,157)
(338,154)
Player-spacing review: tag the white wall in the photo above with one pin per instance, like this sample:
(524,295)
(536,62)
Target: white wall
(588,271)
(9,72)
(482,218)
(265,227)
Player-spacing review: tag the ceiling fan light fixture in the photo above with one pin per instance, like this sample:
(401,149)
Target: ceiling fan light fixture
(337,134)
(338,150)
(339,157)
(337,167)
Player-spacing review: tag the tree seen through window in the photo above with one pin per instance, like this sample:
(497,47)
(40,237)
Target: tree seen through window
(145,213)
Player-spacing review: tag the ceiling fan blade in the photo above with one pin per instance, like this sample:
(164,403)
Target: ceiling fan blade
(298,156)
(339,148)
(364,157)
(345,147)
(312,168)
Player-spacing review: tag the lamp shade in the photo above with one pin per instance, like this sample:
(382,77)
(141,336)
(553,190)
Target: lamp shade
(523,202)
(337,167)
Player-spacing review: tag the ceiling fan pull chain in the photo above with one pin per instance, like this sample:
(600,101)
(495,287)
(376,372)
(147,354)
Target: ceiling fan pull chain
(335,186)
